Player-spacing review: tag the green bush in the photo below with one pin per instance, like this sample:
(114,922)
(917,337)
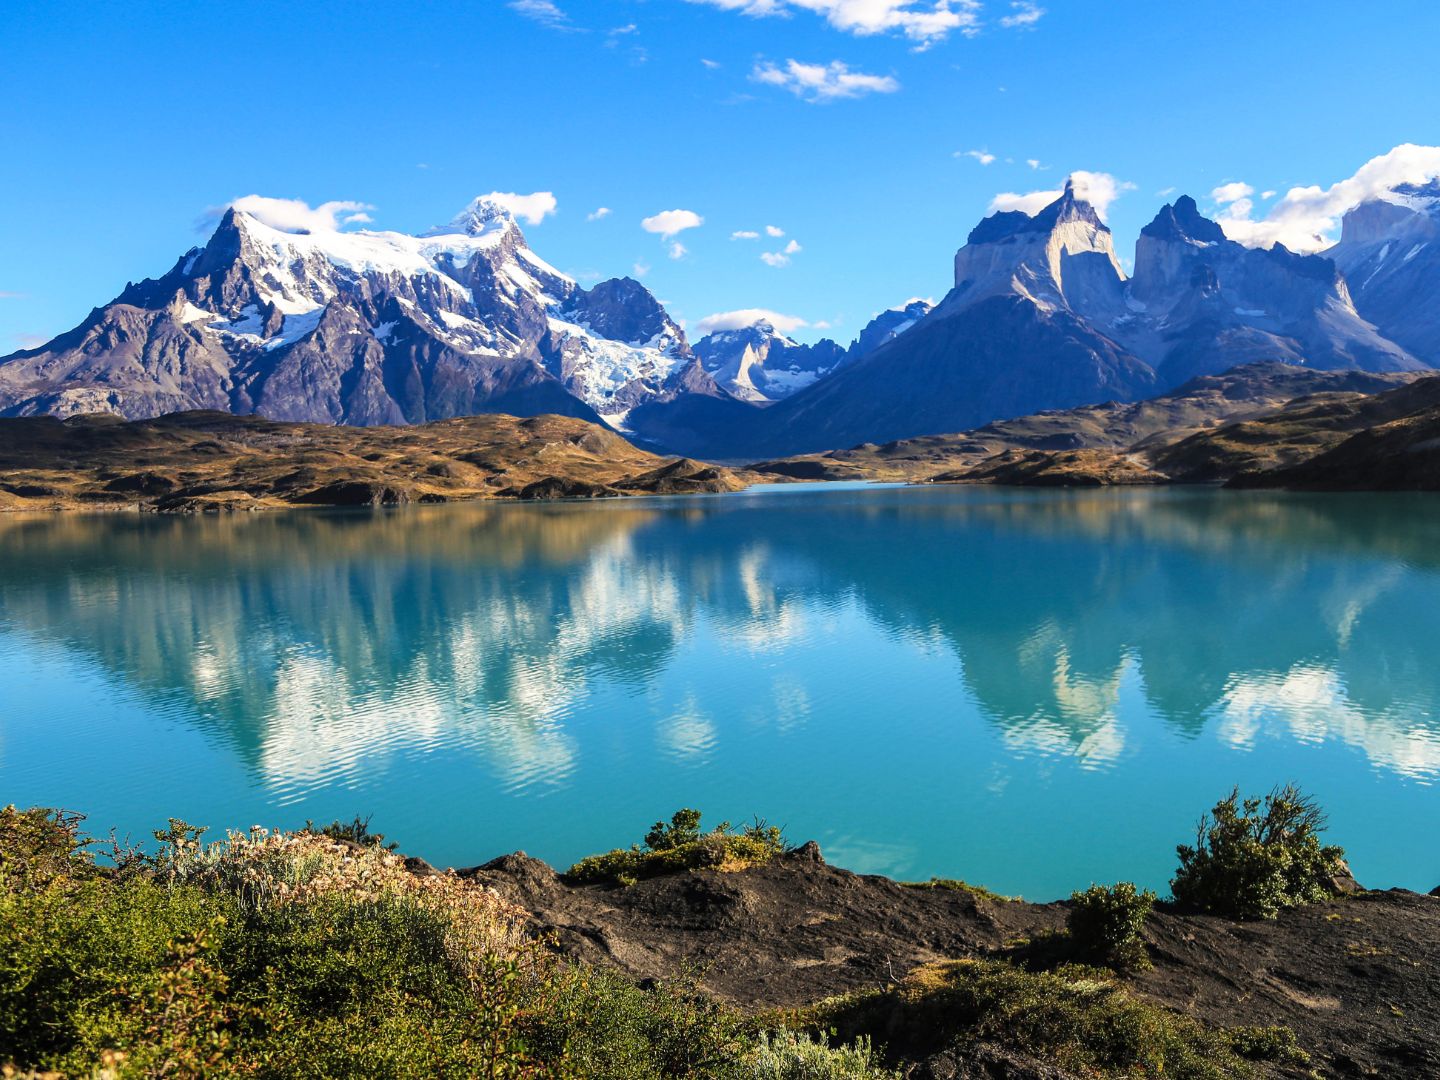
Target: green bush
(1105,923)
(309,954)
(1076,1018)
(1256,857)
(684,828)
(1276,1044)
(789,1055)
(680,846)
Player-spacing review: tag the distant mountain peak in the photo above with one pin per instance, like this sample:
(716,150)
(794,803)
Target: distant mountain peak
(482,215)
(1182,220)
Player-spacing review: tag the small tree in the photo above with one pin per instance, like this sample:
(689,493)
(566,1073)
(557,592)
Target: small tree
(1105,924)
(1256,857)
(684,828)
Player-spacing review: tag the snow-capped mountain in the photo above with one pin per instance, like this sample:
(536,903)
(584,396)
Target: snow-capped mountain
(362,328)
(758,364)
(368,327)
(1042,317)
(1389,251)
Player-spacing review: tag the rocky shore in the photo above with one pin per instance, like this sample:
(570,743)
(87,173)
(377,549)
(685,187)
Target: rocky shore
(1354,978)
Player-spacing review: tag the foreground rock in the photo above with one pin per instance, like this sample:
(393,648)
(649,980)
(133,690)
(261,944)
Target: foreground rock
(207,461)
(1354,979)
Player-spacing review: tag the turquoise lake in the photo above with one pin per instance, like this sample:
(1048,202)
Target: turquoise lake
(1027,690)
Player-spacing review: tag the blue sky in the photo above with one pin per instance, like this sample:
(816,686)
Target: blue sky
(123,124)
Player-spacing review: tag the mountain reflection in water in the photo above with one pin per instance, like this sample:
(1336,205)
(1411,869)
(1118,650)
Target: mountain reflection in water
(923,678)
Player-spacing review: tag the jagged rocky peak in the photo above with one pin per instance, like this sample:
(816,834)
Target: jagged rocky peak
(1389,251)
(1061,258)
(1182,221)
(483,214)
(889,325)
(625,310)
(757,363)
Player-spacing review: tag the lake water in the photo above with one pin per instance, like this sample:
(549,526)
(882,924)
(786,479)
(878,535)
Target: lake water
(1029,690)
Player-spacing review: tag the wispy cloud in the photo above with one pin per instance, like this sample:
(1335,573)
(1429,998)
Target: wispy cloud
(1233,192)
(669,223)
(739,320)
(821,83)
(1023,15)
(531,209)
(640,269)
(984,157)
(544,12)
(711,64)
(1307,218)
(678,250)
(1097,188)
(598,213)
(298,216)
(781,257)
(925,22)
(745,234)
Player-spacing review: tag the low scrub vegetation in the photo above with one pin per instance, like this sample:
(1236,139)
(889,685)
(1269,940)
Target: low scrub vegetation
(305,954)
(677,845)
(1105,924)
(1077,1018)
(1254,857)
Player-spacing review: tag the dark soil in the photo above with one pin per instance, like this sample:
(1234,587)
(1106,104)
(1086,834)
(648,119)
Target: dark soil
(1354,978)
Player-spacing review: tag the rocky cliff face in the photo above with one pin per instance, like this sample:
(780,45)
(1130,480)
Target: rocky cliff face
(1200,304)
(1389,251)
(361,328)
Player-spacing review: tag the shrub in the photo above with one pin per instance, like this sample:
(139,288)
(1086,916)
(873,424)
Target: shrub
(1256,857)
(39,845)
(684,828)
(789,1055)
(1076,1018)
(1267,1044)
(681,845)
(1105,924)
(356,831)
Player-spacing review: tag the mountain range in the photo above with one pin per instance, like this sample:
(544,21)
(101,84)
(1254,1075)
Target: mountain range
(383,328)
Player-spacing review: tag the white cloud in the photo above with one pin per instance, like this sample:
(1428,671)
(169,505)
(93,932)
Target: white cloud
(774,258)
(531,209)
(1233,192)
(1098,189)
(1267,194)
(984,157)
(640,269)
(598,213)
(298,216)
(774,230)
(1308,218)
(670,223)
(745,234)
(820,83)
(678,250)
(1024,15)
(924,22)
(793,248)
(738,320)
(545,12)
(1165,192)
(1034,163)
(711,64)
